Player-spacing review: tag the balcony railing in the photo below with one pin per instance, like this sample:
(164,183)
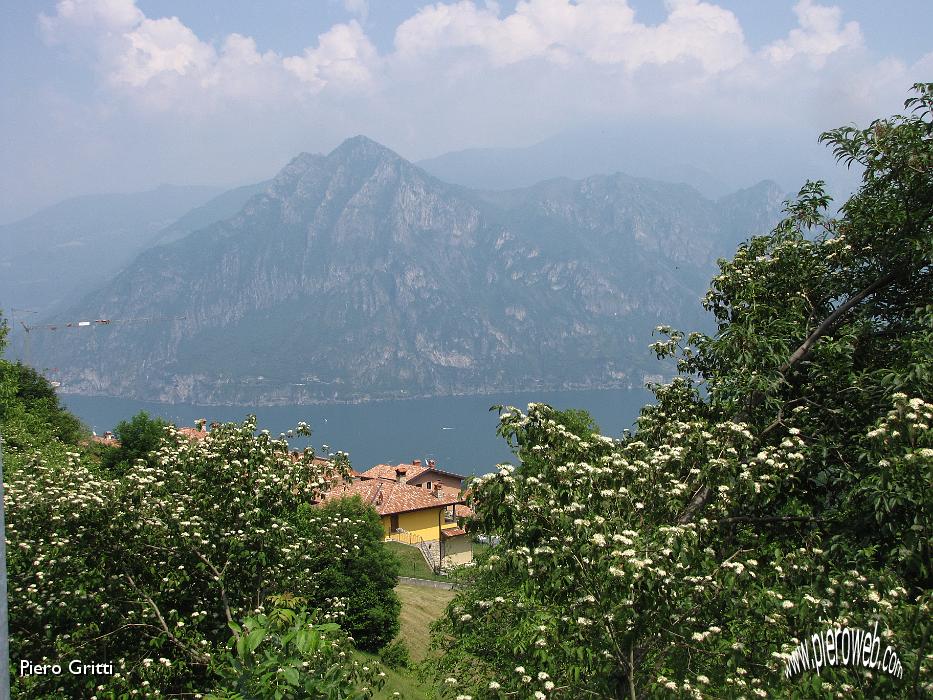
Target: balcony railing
(406,538)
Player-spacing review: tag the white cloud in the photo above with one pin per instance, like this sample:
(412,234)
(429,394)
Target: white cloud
(603,32)
(820,34)
(164,65)
(161,47)
(89,14)
(344,57)
(467,69)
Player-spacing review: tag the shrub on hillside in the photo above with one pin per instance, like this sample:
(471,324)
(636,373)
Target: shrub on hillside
(354,565)
(138,438)
(291,653)
(29,400)
(395,655)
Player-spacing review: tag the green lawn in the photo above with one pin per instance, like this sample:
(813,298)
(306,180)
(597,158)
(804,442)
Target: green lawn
(420,607)
(413,563)
(405,683)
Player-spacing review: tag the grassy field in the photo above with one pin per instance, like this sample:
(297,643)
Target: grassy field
(405,683)
(413,563)
(420,607)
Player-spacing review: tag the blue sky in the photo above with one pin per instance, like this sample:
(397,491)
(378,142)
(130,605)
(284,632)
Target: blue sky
(116,95)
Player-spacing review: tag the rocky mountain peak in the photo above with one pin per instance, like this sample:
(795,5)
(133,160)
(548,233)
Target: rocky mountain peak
(360,149)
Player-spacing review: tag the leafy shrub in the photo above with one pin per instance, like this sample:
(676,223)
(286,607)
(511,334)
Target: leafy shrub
(138,438)
(395,655)
(290,653)
(27,398)
(352,564)
(779,487)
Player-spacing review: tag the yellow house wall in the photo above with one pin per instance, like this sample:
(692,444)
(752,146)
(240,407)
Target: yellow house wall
(423,523)
(387,524)
(458,550)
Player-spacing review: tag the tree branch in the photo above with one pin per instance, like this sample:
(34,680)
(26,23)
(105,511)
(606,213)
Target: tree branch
(219,575)
(201,658)
(831,321)
(705,493)
(774,519)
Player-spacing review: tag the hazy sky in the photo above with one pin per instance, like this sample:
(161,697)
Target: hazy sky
(116,95)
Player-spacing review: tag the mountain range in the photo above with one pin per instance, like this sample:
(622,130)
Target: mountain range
(67,249)
(357,275)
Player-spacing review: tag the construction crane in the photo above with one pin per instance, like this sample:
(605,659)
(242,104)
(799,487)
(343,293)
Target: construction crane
(83,324)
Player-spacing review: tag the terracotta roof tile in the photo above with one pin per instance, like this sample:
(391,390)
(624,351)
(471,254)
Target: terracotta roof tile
(464,511)
(387,471)
(412,471)
(388,496)
(192,433)
(452,531)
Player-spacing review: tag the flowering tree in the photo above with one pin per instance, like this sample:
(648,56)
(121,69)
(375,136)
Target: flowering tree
(152,570)
(779,486)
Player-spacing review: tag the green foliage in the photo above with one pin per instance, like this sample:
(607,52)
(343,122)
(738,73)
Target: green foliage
(4,331)
(31,410)
(292,653)
(395,655)
(779,486)
(352,565)
(138,438)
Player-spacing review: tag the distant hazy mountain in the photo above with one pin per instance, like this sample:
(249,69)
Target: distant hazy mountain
(714,159)
(78,244)
(358,275)
(221,207)
(510,168)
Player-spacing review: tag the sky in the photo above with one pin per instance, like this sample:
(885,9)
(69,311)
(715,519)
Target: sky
(122,95)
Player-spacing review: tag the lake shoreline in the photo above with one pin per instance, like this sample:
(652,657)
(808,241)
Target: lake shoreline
(458,431)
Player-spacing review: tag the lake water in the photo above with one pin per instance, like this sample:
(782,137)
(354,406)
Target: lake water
(459,432)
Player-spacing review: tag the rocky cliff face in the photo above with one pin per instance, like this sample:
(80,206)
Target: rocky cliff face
(357,275)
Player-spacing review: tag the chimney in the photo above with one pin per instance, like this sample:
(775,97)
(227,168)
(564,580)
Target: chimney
(437,491)
(416,462)
(200,423)
(432,463)
(108,435)
(400,474)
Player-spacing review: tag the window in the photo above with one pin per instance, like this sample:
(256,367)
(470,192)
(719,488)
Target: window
(429,486)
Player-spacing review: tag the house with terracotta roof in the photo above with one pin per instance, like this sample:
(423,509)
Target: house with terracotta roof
(414,515)
(424,475)
(106,439)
